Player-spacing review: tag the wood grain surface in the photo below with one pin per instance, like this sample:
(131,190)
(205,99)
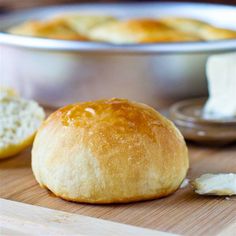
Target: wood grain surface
(40,221)
(184,212)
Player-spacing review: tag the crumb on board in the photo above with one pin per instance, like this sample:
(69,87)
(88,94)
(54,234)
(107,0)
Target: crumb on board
(184,183)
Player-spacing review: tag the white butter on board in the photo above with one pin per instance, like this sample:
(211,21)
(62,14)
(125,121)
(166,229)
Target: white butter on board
(221,76)
(216,184)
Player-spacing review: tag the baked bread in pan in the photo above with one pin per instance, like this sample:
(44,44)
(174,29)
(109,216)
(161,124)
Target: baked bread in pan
(82,24)
(107,28)
(199,28)
(139,31)
(213,33)
(54,29)
(109,151)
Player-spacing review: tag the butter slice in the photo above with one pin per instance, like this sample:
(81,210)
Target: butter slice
(221,76)
(215,184)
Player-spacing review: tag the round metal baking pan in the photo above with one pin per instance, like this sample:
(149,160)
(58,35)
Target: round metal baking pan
(57,72)
(221,15)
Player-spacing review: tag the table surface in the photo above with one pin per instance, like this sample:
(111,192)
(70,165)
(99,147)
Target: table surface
(184,212)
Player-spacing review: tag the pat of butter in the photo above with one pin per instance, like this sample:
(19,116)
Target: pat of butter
(221,76)
(216,184)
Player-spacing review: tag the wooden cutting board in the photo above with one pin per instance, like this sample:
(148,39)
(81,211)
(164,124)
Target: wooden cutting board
(184,212)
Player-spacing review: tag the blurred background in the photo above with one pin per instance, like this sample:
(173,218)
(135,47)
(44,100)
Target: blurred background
(8,5)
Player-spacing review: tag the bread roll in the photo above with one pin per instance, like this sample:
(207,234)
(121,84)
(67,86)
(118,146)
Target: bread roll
(139,31)
(19,121)
(199,28)
(184,24)
(54,28)
(83,23)
(213,33)
(109,151)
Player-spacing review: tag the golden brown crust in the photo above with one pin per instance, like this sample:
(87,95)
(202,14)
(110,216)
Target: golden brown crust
(83,23)
(199,28)
(14,149)
(109,151)
(55,29)
(139,31)
(114,201)
(213,33)
(110,29)
(184,24)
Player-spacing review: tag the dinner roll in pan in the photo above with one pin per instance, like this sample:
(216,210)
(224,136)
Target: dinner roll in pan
(106,28)
(139,31)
